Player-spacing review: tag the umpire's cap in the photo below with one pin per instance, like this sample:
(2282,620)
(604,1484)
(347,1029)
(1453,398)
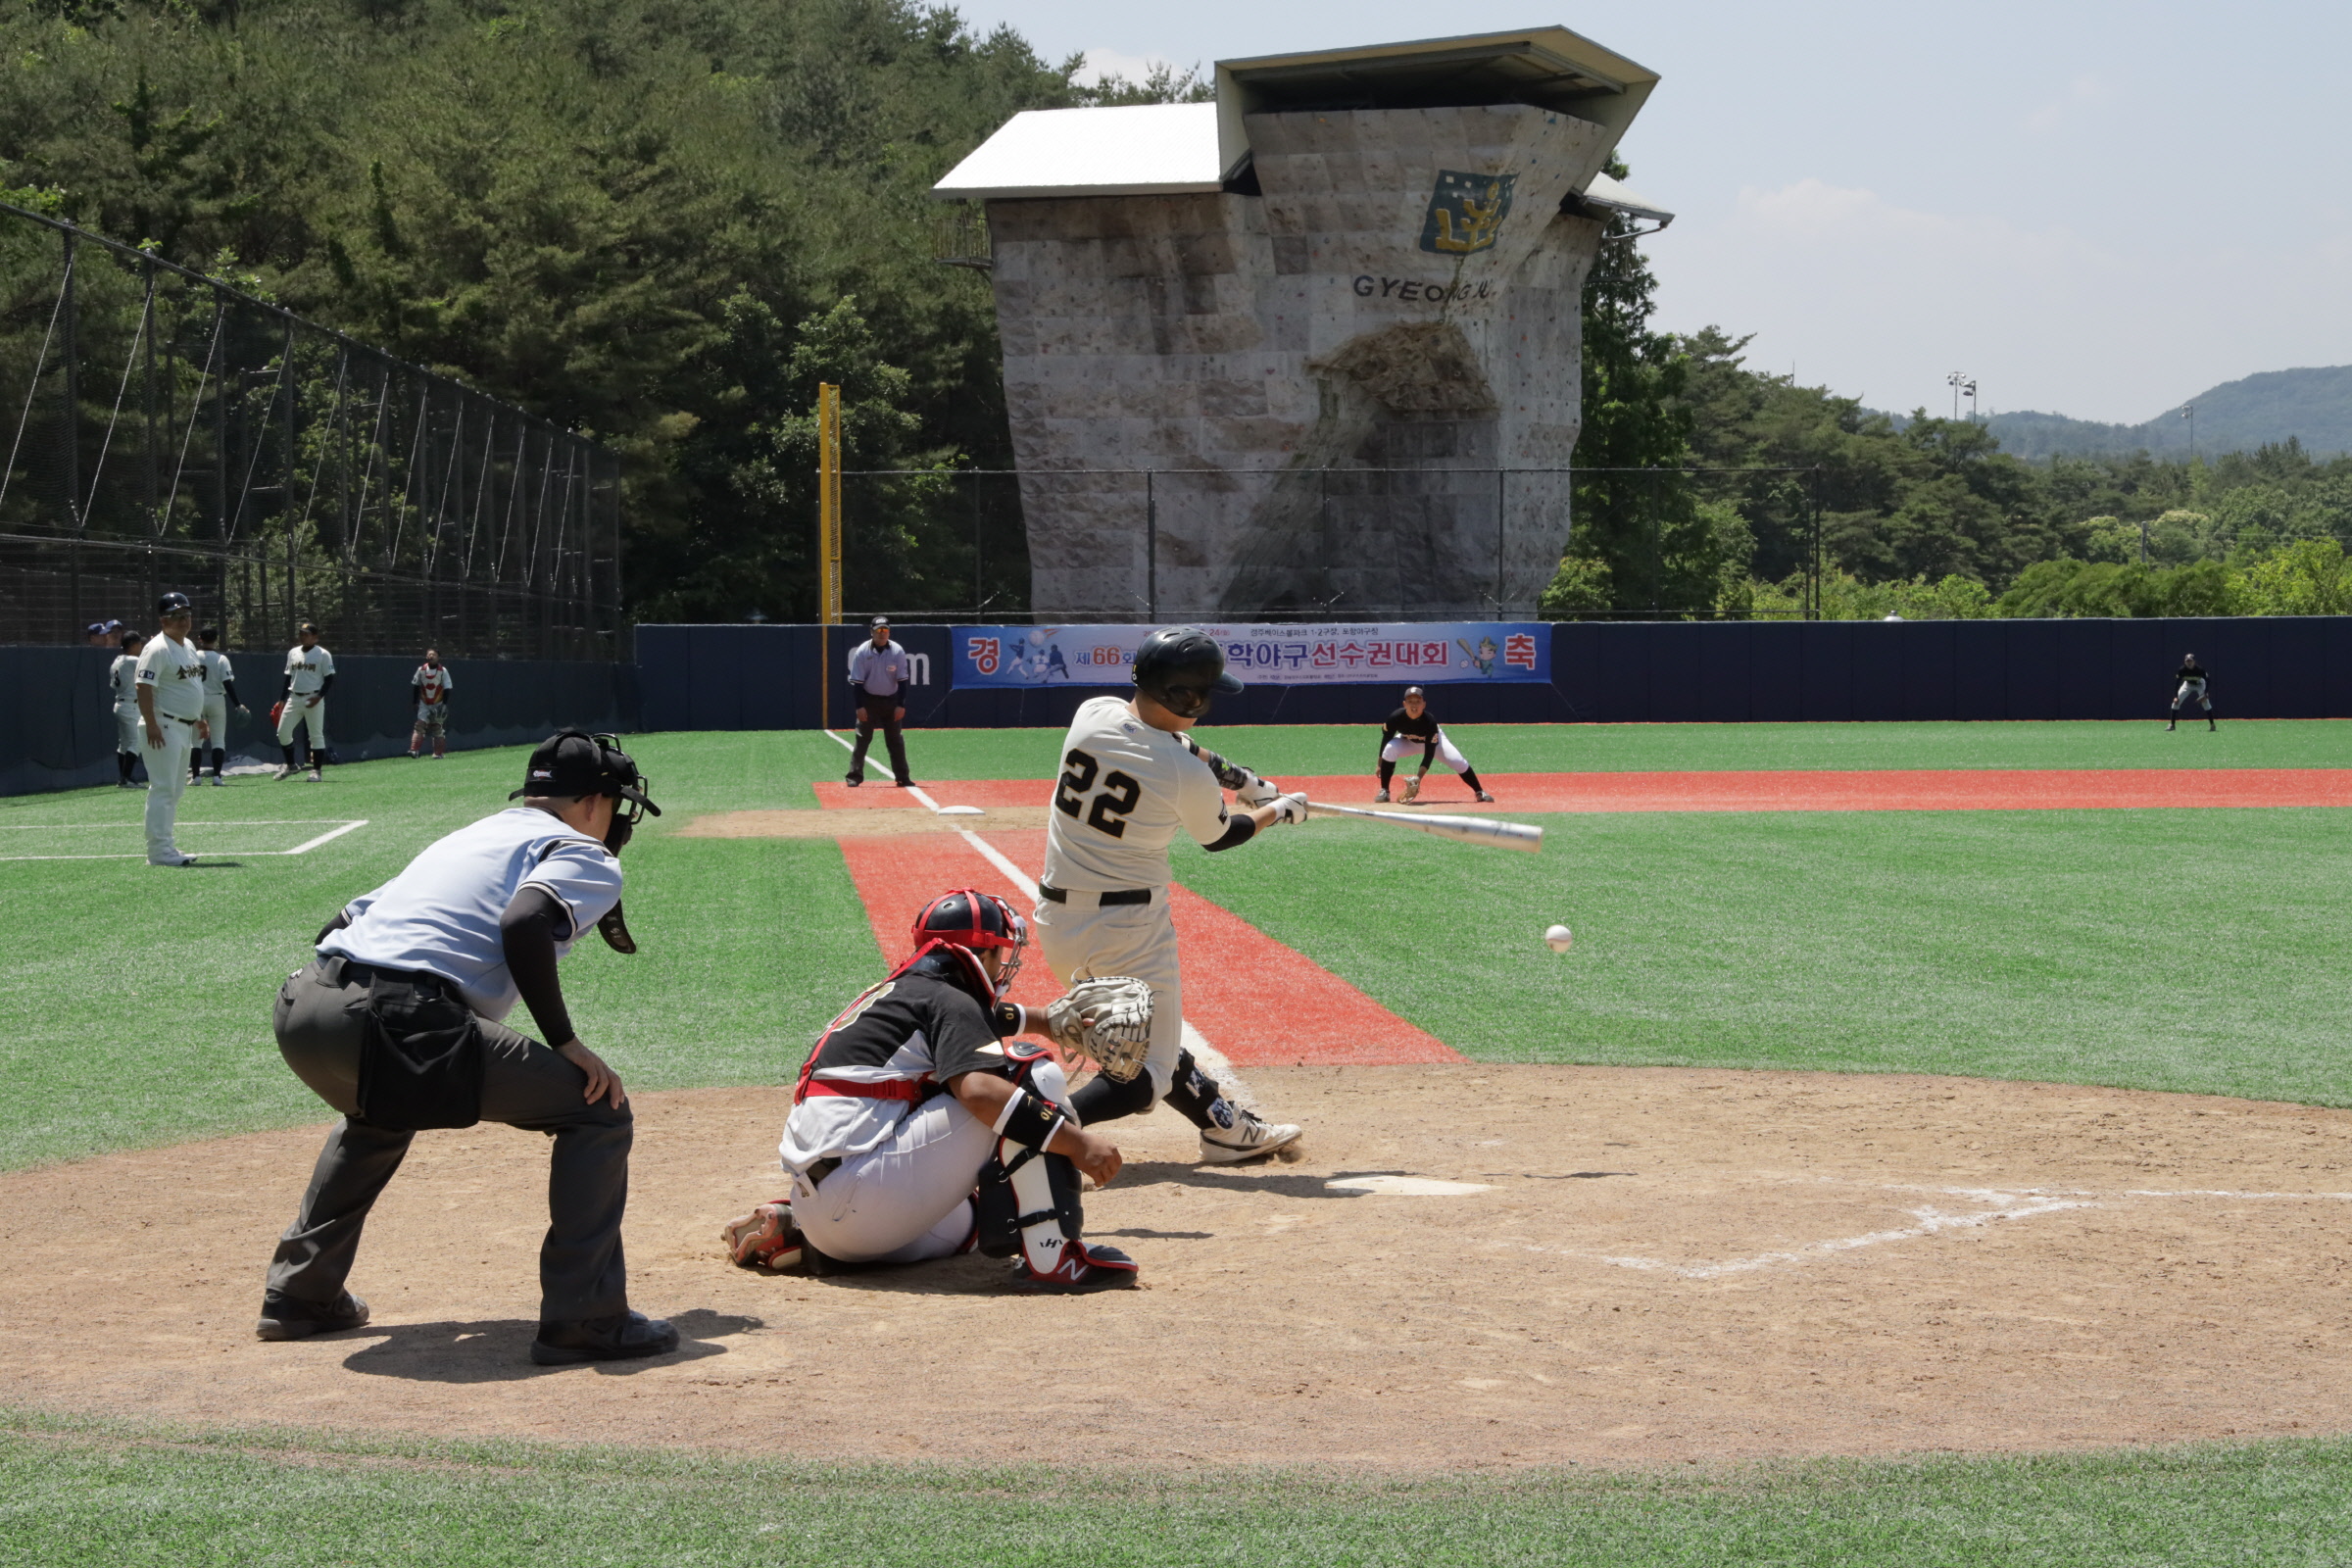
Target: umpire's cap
(1180,667)
(173,604)
(574,763)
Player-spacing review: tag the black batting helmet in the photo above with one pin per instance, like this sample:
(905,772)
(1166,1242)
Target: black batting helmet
(1181,668)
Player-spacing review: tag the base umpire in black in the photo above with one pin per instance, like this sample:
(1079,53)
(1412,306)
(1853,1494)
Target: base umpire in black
(396,1025)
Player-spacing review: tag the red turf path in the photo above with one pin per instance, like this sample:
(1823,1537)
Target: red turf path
(1892,790)
(1259,1002)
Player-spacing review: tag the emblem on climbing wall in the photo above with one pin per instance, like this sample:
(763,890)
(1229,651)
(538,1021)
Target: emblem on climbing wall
(1466,212)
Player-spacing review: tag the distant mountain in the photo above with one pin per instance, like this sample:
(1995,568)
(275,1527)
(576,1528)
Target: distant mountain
(2313,405)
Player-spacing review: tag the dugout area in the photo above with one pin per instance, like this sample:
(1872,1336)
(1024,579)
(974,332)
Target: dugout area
(1840,1132)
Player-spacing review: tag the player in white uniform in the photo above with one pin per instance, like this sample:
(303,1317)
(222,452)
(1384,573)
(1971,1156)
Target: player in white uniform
(220,695)
(432,684)
(1132,780)
(123,688)
(309,676)
(170,696)
(920,1130)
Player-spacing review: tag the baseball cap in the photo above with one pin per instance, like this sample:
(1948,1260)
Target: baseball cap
(574,763)
(172,604)
(878,620)
(1414,691)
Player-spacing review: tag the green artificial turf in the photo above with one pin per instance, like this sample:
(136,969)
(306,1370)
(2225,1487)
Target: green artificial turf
(1325,748)
(2193,950)
(115,1496)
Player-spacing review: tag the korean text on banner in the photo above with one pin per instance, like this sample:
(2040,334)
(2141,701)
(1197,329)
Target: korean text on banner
(1334,654)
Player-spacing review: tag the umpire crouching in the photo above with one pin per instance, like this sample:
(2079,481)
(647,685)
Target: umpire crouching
(396,1025)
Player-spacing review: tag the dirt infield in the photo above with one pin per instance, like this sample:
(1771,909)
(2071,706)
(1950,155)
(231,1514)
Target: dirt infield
(1887,790)
(1646,1266)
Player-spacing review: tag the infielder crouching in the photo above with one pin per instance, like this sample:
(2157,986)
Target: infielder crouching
(1414,727)
(919,1130)
(396,1024)
(2192,689)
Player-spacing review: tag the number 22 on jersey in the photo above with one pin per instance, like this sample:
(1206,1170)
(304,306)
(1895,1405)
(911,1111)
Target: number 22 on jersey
(1116,798)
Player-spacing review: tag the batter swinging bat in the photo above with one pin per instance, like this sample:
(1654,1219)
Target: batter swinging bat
(1485,831)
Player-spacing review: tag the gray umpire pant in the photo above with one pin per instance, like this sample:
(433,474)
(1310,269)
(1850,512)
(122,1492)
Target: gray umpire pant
(321,1020)
(882,711)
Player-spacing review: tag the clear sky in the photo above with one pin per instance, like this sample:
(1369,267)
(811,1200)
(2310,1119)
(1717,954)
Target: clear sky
(2096,209)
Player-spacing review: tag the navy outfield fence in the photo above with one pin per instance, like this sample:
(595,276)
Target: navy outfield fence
(765,676)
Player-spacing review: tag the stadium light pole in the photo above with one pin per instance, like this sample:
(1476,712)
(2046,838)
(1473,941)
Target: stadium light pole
(1956,381)
(1971,390)
(2188,412)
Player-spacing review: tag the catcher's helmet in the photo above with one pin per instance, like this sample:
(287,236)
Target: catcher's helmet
(969,919)
(172,604)
(1180,667)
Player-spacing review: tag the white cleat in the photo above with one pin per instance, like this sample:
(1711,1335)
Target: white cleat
(315,776)
(1484,797)
(1382,799)
(176,858)
(218,782)
(1248,1138)
(285,771)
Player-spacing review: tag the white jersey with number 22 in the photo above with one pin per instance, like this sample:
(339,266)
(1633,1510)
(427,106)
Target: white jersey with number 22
(1125,791)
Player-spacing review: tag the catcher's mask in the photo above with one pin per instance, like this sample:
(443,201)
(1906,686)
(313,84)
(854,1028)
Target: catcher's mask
(1181,669)
(969,920)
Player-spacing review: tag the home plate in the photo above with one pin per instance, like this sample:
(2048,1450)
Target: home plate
(1404,1186)
(960,811)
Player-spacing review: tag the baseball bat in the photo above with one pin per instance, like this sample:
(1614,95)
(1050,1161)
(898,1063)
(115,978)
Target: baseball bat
(1484,831)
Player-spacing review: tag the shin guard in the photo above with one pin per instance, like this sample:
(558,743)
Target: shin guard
(1197,1097)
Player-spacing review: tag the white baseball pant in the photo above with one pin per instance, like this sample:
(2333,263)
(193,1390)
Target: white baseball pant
(297,713)
(1403,747)
(130,734)
(1081,941)
(2191,689)
(911,1197)
(166,781)
(216,714)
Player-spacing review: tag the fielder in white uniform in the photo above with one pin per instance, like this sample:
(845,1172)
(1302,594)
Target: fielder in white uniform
(432,683)
(309,676)
(920,1130)
(170,696)
(1131,779)
(220,695)
(123,688)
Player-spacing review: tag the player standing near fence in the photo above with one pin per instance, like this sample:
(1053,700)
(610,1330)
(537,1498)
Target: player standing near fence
(431,685)
(123,695)
(2192,688)
(878,672)
(1414,726)
(309,676)
(219,694)
(1131,779)
(170,696)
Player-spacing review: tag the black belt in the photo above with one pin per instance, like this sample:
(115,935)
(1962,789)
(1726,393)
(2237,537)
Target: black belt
(1120,896)
(353,972)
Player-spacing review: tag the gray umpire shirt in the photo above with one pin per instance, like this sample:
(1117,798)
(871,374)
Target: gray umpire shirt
(879,671)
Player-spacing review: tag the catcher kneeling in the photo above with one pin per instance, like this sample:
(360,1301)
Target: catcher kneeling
(922,1129)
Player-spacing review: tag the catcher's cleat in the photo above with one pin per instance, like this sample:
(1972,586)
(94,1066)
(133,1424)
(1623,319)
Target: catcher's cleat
(1085,1267)
(290,1317)
(1382,799)
(1412,790)
(621,1337)
(765,1238)
(1248,1138)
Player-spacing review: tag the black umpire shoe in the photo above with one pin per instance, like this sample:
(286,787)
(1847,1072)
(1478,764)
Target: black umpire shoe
(852,780)
(621,1337)
(290,1317)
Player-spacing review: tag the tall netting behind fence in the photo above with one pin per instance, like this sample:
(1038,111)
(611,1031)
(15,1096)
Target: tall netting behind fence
(165,431)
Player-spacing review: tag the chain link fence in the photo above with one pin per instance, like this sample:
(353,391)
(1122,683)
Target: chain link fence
(167,431)
(1316,544)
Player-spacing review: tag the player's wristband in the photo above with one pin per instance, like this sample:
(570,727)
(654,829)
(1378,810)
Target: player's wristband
(1008,1019)
(1029,1121)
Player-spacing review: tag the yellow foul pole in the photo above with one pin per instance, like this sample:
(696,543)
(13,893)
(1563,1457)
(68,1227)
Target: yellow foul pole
(828,548)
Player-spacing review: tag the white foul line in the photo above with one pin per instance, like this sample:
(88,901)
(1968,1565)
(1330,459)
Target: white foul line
(299,849)
(1211,1059)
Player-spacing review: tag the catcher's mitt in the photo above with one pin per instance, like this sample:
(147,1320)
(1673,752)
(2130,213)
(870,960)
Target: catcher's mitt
(765,1238)
(1107,1019)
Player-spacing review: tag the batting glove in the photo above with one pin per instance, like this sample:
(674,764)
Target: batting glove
(1256,792)
(1289,808)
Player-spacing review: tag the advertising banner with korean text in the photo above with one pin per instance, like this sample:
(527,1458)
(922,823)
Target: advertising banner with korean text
(1339,654)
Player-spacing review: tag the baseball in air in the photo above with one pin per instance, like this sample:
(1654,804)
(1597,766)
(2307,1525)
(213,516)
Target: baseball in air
(1558,939)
